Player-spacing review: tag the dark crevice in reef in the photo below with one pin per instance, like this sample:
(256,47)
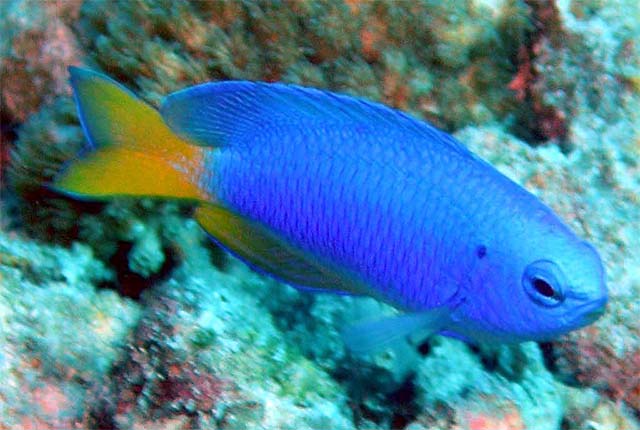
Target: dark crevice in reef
(130,284)
(424,348)
(218,256)
(489,361)
(510,361)
(369,403)
(537,122)
(8,135)
(404,405)
(555,366)
(60,212)
(548,355)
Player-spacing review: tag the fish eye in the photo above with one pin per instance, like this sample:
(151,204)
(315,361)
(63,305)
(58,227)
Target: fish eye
(543,287)
(543,281)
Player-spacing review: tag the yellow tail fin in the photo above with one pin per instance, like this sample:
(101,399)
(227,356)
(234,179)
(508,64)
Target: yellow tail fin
(132,151)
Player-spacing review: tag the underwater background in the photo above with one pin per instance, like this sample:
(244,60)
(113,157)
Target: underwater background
(124,315)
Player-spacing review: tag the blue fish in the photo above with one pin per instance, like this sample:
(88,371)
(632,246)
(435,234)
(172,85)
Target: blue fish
(333,193)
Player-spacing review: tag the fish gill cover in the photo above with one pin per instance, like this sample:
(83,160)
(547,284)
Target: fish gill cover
(547,92)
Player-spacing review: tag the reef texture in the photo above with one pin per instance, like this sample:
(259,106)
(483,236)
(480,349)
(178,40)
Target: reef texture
(59,332)
(185,353)
(122,315)
(36,45)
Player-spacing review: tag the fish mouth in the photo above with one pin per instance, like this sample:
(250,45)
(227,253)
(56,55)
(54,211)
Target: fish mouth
(590,312)
(593,315)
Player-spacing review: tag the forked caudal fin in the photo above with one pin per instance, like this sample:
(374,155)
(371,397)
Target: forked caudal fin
(131,152)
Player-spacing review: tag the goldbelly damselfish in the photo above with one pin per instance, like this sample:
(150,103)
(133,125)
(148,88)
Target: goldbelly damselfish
(328,192)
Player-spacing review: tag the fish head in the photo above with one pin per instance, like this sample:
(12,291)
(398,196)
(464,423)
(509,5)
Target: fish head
(565,289)
(535,286)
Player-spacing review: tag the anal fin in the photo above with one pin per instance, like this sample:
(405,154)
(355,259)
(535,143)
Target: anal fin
(268,252)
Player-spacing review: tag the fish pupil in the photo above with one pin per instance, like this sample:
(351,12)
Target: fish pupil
(543,287)
(481,251)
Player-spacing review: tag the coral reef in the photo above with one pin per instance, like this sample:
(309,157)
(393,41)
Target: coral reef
(444,73)
(195,356)
(547,91)
(59,333)
(36,46)
(504,387)
(191,355)
(586,410)
(187,355)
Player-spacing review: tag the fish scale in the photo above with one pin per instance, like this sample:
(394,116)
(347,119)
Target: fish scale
(372,251)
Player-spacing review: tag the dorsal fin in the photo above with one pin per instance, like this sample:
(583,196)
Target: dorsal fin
(222,113)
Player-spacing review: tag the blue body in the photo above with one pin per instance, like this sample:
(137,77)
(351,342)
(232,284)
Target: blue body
(395,204)
(406,214)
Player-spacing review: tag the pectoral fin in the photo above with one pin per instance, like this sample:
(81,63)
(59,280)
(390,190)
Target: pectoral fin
(372,336)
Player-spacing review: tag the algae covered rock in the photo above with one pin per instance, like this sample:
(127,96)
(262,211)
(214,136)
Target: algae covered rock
(59,332)
(36,46)
(206,350)
(198,349)
(436,59)
(503,387)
